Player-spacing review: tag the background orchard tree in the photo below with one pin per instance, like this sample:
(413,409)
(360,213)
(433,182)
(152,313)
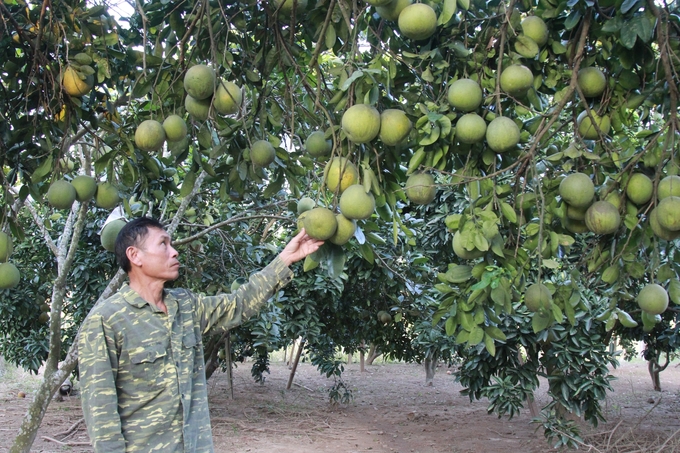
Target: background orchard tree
(497,106)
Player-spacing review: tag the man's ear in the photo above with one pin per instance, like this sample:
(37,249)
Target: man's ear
(132,253)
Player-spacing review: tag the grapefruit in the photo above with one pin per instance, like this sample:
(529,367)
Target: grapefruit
(658,230)
(502,134)
(345,230)
(516,80)
(199,82)
(417,21)
(74,85)
(639,189)
(420,188)
(85,186)
(602,217)
(586,128)
(577,190)
(536,29)
(575,226)
(9,276)
(392,10)
(199,109)
(262,153)
(394,126)
(355,203)
(340,173)
(317,145)
(465,95)
(150,135)
(591,81)
(285,7)
(110,233)
(653,299)
(361,123)
(669,186)
(574,213)
(460,250)
(6,246)
(107,196)
(470,128)
(61,194)
(175,128)
(537,296)
(668,213)
(228,98)
(305,204)
(320,223)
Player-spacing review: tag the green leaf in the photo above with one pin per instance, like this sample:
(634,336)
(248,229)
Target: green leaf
(495,333)
(628,37)
(490,345)
(449,9)
(336,262)
(572,20)
(188,184)
(367,252)
(462,337)
(611,274)
(43,170)
(508,212)
(476,336)
(450,326)
(355,76)
(330,36)
(674,291)
(628,5)
(309,264)
(540,321)
(557,313)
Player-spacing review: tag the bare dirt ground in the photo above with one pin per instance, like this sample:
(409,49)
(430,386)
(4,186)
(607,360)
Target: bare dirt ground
(392,411)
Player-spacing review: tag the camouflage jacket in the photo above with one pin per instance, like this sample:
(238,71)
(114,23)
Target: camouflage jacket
(142,374)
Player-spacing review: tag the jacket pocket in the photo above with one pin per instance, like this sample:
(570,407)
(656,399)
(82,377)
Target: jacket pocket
(147,364)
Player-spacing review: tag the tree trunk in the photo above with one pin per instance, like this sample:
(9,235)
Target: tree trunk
(349,358)
(295,363)
(654,371)
(230,374)
(430,368)
(373,353)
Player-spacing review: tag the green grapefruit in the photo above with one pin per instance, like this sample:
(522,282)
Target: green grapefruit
(74,85)
(340,173)
(417,21)
(669,186)
(658,230)
(470,128)
(305,204)
(355,203)
(61,194)
(345,231)
(465,95)
(586,128)
(535,28)
(653,299)
(228,98)
(639,189)
(668,213)
(516,80)
(150,135)
(197,108)
(462,252)
(577,190)
(361,123)
(199,82)
(320,223)
(591,81)
(392,10)
(106,196)
(86,187)
(537,296)
(175,128)
(9,276)
(420,188)
(317,145)
(394,126)
(502,134)
(602,217)
(110,233)
(262,153)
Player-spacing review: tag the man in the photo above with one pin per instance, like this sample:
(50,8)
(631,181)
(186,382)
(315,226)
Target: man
(142,374)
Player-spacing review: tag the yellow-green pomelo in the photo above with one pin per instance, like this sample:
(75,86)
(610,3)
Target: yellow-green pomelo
(345,231)
(668,213)
(9,276)
(639,189)
(460,250)
(384,317)
(228,98)
(74,85)
(107,196)
(575,226)
(150,135)
(516,80)
(417,21)
(586,128)
(305,204)
(61,194)
(615,198)
(110,233)
(355,203)
(659,231)
(85,186)
(378,2)
(470,128)
(420,188)
(669,186)
(502,134)
(465,95)
(320,223)
(653,299)
(317,145)
(537,296)
(199,109)
(361,123)
(340,173)
(286,6)
(536,29)
(6,246)
(602,217)
(394,126)
(592,82)
(199,81)
(392,10)
(175,128)
(577,190)
(575,213)
(262,153)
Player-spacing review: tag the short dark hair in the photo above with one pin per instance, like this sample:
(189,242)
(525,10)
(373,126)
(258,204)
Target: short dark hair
(132,234)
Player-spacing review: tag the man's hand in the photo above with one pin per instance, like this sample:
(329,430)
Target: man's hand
(299,247)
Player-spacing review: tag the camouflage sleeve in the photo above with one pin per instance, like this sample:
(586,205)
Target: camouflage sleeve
(98,362)
(226,311)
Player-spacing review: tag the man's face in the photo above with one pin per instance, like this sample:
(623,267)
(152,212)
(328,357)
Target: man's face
(159,258)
